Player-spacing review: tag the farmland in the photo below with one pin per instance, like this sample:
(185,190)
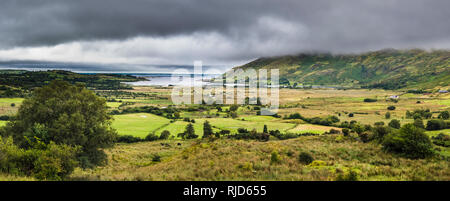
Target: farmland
(234,159)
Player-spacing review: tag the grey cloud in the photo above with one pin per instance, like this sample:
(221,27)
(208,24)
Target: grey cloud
(251,28)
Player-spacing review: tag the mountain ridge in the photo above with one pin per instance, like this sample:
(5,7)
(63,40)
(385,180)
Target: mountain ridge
(387,69)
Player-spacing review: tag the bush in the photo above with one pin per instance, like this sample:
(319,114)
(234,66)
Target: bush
(441,140)
(345,131)
(394,123)
(391,107)
(164,135)
(369,100)
(275,158)
(156,158)
(419,123)
(379,132)
(128,139)
(409,141)
(351,115)
(444,115)
(151,137)
(4,118)
(387,115)
(305,158)
(350,176)
(436,124)
(43,161)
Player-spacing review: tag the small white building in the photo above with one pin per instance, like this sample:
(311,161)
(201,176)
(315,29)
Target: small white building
(394,97)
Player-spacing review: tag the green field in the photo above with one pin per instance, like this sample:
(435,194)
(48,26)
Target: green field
(434,133)
(113,104)
(139,124)
(8,101)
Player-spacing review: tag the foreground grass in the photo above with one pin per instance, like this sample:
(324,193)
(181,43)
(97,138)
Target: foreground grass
(226,159)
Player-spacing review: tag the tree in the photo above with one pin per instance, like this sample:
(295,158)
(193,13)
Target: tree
(234,108)
(444,115)
(65,114)
(265,129)
(176,115)
(151,137)
(387,115)
(436,124)
(207,129)
(394,123)
(409,141)
(164,135)
(189,132)
(419,123)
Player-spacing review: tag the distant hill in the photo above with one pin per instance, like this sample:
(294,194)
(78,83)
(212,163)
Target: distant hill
(387,69)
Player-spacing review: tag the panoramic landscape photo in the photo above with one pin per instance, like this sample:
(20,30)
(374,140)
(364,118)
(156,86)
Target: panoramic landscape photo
(191,90)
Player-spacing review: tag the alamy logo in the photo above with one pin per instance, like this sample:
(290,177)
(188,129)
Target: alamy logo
(234,87)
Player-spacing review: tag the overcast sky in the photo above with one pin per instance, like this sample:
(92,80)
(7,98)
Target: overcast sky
(228,32)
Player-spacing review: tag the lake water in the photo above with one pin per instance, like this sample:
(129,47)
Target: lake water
(173,80)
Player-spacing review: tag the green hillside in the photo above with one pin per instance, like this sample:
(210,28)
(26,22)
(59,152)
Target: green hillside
(388,69)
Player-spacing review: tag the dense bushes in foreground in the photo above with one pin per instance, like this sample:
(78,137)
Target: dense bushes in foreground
(43,161)
(409,141)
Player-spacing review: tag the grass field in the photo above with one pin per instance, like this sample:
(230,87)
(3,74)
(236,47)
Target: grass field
(6,108)
(139,125)
(226,159)
(2,123)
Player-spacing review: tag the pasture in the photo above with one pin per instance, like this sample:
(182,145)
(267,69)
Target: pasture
(139,124)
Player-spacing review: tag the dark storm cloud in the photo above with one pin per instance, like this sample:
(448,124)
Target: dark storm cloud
(252,27)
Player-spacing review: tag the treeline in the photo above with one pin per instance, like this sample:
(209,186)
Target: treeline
(31,79)
(325,121)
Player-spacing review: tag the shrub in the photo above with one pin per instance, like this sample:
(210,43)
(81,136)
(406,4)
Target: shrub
(43,161)
(378,132)
(419,123)
(305,158)
(275,158)
(156,158)
(394,123)
(350,176)
(351,115)
(13,105)
(151,137)
(441,140)
(379,123)
(409,141)
(4,118)
(436,124)
(444,115)
(369,100)
(387,115)
(128,139)
(164,135)
(345,131)
(391,107)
